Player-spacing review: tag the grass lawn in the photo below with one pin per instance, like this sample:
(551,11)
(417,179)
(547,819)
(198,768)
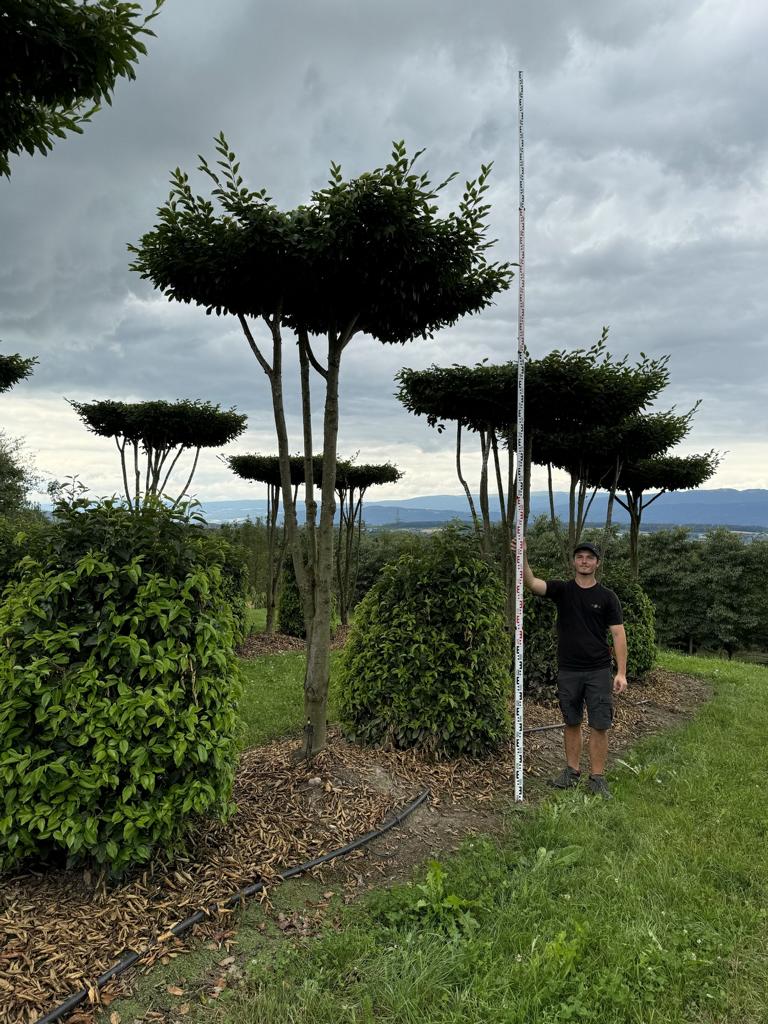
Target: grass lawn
(272,702)
(651,908)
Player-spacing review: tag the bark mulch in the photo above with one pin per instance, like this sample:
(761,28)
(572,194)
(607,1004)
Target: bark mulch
(60,929)
(280,643)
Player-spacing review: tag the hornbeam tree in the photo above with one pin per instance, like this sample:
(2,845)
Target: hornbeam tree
(59,60)
(265,469)
(368,255)
(352,483)
(151,437)
(594,461)
(662,473)
(590,395)
(570,396)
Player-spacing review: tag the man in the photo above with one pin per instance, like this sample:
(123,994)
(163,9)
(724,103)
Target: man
(586,610)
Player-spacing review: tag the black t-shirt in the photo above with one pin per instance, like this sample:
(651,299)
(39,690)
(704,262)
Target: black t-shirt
(583,617)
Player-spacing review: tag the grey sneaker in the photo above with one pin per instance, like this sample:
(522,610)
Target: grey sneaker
(599,787)
(567,779)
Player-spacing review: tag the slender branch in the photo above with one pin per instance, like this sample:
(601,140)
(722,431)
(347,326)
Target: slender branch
(183,448)
(189,478)
(316,364)
(121,449)
(148,474)
(644,505)
(136,473)
(310,503)
(269,370)
(485,449)
(560,534)
(499,482)
(348,333)
(463,482)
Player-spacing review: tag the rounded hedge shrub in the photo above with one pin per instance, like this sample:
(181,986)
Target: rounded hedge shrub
(290,616)
(118,690)
(639,622)
(426,665)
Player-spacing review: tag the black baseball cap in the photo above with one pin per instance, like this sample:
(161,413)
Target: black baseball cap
(587,546)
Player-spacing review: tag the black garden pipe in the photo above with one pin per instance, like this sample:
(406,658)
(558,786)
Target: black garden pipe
(65,1008)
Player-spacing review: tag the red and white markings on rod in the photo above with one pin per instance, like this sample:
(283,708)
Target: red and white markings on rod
(519,497)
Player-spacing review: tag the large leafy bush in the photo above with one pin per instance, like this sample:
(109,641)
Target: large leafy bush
(290,615)
(428,657)
(639,622)
(117,689)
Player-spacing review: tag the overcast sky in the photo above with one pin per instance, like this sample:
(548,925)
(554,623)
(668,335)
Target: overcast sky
(647,209)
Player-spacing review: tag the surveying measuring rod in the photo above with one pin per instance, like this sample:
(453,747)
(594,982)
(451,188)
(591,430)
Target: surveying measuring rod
(520,495)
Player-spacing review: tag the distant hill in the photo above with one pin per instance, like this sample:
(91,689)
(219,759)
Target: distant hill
(722,507)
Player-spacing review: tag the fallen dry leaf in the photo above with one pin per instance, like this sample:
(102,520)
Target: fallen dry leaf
(174,990)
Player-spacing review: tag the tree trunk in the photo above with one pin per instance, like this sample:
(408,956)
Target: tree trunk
(485,508)
(464,484)
(274,564)
(319,638)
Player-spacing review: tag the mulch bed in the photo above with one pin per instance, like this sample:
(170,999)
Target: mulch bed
(280,643)
(60,929)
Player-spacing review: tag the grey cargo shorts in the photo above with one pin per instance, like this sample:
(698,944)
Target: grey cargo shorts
(593,688)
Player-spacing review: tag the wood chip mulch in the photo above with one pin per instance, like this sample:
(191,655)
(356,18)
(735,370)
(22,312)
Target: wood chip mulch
(60,929)
(280,643)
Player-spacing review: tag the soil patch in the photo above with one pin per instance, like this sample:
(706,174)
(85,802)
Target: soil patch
(60,929)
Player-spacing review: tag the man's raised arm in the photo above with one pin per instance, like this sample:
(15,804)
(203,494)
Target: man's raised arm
(532,583)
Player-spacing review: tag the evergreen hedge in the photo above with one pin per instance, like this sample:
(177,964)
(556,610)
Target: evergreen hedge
(427,662)
(118,689)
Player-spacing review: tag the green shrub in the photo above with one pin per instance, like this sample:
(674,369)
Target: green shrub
(117,690)
(639,622)
(21,534)
(427,661)
(234,577)
(540,655)
(290,615)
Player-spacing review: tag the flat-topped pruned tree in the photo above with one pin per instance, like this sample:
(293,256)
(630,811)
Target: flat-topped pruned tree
(570,396)
(265,469)
(595,459)
(352,483)
(660,473)
(149,435)
(59,60)
(366,255)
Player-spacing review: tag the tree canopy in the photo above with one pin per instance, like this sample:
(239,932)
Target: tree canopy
(14,368)
(265,469)
(661,473)
(336,261)
(162,431)
(369,254)
(59,60)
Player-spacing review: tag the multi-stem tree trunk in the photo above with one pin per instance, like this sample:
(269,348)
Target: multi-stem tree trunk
(319,637)
(315,575)
(348,548)
(465,485)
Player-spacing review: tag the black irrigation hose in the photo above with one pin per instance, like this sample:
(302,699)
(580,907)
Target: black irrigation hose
(131,958)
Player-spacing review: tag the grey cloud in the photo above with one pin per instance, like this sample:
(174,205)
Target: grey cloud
(646,159)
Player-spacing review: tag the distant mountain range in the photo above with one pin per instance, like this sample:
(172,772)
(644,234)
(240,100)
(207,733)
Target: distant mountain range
(723,507)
